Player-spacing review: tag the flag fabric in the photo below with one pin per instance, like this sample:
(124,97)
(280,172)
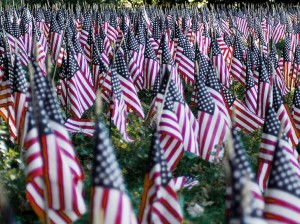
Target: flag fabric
(18,84)
(287,60)
(244,118)
(284,116)
(185,58)
(159,201)
(185,182)
(80,92)
(109,201)
(55,38)
(264,88)
(7,104)
(237,68)
(128,90)
(267,147)
(296,68)
(118,108)
(282,194)
(85,126)
(178,128)
(212,126)
(296,108)
(214,87)
(151,66)
(246,202)
(52,170)
(251,89)
(219,63)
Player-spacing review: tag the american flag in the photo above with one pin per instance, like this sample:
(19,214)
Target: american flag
(287,60)
(151,66)
(296,108)
(109,202)
(282,194)
(185,182)
(251,89)
(118,108)
(80,92)
(81,60)
(296,67)
(241,23)
(26,30)
(213,85)
(178,128)
(53,169)
(185,58)
(267,147)
(159,202)
(243,118)
(18,42)
(264,88)
(212,125)
(278,30)
(85,35)
(284,116)
(55,38)
(111,32)
(167,62)
(128,91)
(85,126)
(134,62)
(246,202)
(99,66)
(219,63)
(18,84)
(7,111)
(237,68)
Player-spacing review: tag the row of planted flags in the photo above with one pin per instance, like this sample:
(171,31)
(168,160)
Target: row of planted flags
(123,51)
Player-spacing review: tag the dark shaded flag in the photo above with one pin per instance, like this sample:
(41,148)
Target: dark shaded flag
(159,202)
(109,201)
(55,38)
(185,182)
(246,203)
(282,195)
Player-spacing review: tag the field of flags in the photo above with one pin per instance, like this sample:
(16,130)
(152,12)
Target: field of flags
(59,63)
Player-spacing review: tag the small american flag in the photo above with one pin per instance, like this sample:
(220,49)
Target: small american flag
(264,88)
(110,203)
(251,89)
(52,164)
(151,66)
(80,91)
(185,182)
(237,69)
(212,126)
(159,202)
(219,63)
(284,116)
(246,202)
(128,91)
(244,118)
(85,126)
(282,194)
(55,38)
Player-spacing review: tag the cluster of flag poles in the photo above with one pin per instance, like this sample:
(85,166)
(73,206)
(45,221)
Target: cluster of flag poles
(109,54)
